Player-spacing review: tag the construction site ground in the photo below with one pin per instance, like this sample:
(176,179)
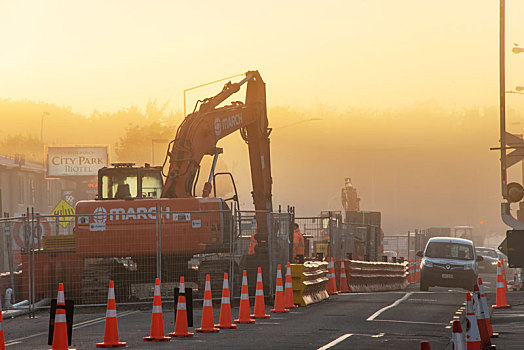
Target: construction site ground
(354,320)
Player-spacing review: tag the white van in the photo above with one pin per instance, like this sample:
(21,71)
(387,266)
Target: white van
(449,262)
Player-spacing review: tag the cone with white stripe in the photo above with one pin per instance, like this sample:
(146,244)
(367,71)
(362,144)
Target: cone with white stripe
(225,307)
(279,294)
(157,319)
(331,287)
(288,290)
(504,275)
(485,308)
(2,339)
(260,305)
(472,329)
(343,282)
(244,313)
(60,340)
(111,330)
(207,324)
(181,328)
(481,319)
(457,337)
(501,302)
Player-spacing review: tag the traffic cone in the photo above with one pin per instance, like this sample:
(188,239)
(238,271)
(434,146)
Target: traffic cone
(2,339)
(504,275)
(244,313)
(417,270)
(516,281)
(225,307)
(343,282)
(481,319)
(260,306)
(484,305)
(288,290)
(457,338)
(424,345)
(157,319)
(60,340)
(331,287)
(472,329)
(181,329)
(501,302)
(279,294)
(207,324)
(111,331)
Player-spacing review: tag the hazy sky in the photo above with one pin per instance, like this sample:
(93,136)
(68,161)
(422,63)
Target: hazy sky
(373,53)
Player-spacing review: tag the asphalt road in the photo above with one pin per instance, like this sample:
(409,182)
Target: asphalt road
(389,320)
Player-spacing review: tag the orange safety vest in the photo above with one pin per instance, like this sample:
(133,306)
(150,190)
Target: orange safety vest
(298,243)
(252,245)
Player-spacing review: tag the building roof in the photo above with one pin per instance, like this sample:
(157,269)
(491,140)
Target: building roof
(9,162)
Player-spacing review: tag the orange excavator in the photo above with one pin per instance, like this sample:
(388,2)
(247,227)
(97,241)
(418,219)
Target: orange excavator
(123,221)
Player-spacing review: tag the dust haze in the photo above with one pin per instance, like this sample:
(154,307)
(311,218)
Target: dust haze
(421,166)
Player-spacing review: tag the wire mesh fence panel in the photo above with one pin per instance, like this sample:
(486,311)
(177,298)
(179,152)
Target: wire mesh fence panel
(316,235)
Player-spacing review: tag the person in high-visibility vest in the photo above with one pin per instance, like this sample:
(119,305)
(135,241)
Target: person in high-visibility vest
(252,245)
(298,245)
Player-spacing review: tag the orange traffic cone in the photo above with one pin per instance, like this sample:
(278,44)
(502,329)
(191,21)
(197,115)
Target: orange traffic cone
(279,294)
(288,290)
(410,271)
(331,287)
(424,345)
(457,338)
(481,319)
(484,305)
(181,329)
(244,313)
(472,329)
(207,324)
(60,340)
(260,305)
(516,281)
(343,282)
(501,302)
(2,339)
(225,307)
(111,331)
(157,320)
(504,275)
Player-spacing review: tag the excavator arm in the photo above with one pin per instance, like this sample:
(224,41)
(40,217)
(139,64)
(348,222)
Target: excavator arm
(200,131)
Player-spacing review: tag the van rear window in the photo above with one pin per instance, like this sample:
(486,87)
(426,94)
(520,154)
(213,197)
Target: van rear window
(449,251)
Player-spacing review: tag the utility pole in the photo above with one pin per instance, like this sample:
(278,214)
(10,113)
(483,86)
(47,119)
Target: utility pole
(502,93)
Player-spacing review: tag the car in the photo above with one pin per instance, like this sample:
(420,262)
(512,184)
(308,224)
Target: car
(491,258)
(449,262)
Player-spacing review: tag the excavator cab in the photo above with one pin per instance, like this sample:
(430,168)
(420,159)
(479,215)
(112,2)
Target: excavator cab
(126,181)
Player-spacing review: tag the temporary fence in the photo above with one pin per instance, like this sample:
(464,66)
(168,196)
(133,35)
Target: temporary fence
(85,251)
(329,236)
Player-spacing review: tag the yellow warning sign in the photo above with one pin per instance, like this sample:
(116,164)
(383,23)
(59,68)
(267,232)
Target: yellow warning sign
(64,212)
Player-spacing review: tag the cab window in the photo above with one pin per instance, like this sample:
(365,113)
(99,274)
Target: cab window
(151,185)
(119,186)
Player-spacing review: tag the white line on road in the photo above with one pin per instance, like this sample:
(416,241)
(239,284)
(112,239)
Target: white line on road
(376,314)
(414,322)
(13,343)
(335,342)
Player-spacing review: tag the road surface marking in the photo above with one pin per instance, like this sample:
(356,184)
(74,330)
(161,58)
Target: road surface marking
(75,326)
(13,343)
(376,314)
(414,322)
(335,342)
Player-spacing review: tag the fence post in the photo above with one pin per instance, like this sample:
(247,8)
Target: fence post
(32,252)
(158,240)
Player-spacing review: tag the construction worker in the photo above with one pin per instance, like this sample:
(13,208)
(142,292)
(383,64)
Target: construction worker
(252,244)
(298,245)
